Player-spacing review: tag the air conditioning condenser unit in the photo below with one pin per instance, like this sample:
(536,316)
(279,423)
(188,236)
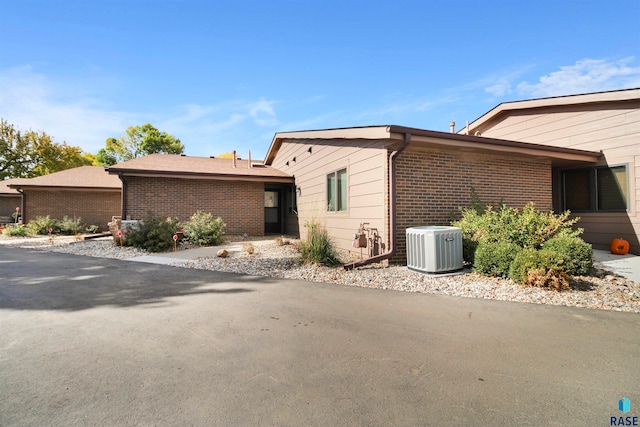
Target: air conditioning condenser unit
(434,249)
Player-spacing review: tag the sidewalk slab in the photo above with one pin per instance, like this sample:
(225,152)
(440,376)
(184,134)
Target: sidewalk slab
(624,265)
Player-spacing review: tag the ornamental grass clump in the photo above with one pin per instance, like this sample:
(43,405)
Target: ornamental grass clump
(42,224)
(203,230)
(16,231)
(318,247)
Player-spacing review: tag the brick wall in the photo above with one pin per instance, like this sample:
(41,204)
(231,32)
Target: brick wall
(95,207)
(8,205)
(240,204)
(432,184)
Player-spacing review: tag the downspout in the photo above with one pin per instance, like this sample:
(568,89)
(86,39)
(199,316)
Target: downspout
(392,210)
(23,204)
(123,196)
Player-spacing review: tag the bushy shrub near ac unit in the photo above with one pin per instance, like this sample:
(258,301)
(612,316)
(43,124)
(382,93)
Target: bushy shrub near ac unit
(510,242)
(495,258)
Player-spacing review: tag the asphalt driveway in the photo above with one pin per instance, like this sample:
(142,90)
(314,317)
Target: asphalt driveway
(87,341)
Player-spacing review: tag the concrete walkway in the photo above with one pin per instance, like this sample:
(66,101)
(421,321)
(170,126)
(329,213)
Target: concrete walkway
(623,265)
(187,254)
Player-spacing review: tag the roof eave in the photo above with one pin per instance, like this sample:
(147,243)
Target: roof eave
(199,175)
(579,99)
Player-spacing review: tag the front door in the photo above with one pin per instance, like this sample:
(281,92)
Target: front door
(272,214)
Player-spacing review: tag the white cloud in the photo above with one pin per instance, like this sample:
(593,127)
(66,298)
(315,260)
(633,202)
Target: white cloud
(501,88)
(263,113)
(585,76)
(29,100)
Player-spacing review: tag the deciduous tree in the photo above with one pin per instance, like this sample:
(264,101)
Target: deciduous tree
(138,141)
(29,154)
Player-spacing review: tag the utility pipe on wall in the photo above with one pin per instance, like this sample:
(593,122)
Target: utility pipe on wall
(392,209)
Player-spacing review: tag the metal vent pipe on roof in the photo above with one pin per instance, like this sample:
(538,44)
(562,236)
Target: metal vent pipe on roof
(234,158)
(452,125)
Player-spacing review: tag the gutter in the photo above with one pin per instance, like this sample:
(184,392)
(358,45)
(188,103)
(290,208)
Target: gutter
(123,196)
(23,202)
(392,210)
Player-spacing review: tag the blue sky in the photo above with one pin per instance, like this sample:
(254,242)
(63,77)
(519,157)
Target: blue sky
(223,75)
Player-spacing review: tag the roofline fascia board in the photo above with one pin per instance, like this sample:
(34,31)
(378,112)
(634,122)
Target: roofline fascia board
(580,99)
(196,175)
(65,188)
(504,146)
(362,132)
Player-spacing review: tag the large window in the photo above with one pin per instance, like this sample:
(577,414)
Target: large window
(337,191)
(603,189)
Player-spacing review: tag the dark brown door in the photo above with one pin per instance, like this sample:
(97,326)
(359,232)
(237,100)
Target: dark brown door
(272,214)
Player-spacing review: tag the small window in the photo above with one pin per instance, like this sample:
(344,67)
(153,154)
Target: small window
(337,191)
(600,189)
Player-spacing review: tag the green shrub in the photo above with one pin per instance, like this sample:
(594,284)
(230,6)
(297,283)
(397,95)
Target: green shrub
(542,261)
(154,234)
(202,229)
(495,258)
(42,224)
(318,248)
(92,229)
(17,231)
(71,226)
(527,228)
(578,254)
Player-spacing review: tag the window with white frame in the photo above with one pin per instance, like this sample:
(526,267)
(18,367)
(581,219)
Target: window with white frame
(598,189)
(337,191)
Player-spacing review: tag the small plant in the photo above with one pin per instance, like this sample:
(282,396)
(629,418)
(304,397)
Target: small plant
(17,231)
(281,241)
(494,259)
(154,234)
(202,229)
(318,248)
(71,226)
(92,229)
(248,248)
(41,225)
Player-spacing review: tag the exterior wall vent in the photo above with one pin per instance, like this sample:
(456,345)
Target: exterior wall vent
(434,249)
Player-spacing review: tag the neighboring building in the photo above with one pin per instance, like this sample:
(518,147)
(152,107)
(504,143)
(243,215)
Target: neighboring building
(86,192)
(605,195)
(10,199)
(249,197)
(394,177)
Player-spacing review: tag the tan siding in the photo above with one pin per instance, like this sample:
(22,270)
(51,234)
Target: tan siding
(612,128)
(366,169)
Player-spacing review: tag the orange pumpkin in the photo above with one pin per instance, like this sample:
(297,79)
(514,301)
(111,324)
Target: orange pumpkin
(619,246)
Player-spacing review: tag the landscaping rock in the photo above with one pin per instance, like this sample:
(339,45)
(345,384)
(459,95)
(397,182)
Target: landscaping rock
(222,253)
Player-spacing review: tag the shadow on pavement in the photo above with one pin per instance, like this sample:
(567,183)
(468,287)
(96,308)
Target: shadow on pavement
(38,280)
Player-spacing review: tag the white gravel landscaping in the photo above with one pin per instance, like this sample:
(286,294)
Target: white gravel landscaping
(604,291)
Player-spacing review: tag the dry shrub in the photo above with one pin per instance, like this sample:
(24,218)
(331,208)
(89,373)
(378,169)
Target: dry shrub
(553,279)
(248,248)
(282,241)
